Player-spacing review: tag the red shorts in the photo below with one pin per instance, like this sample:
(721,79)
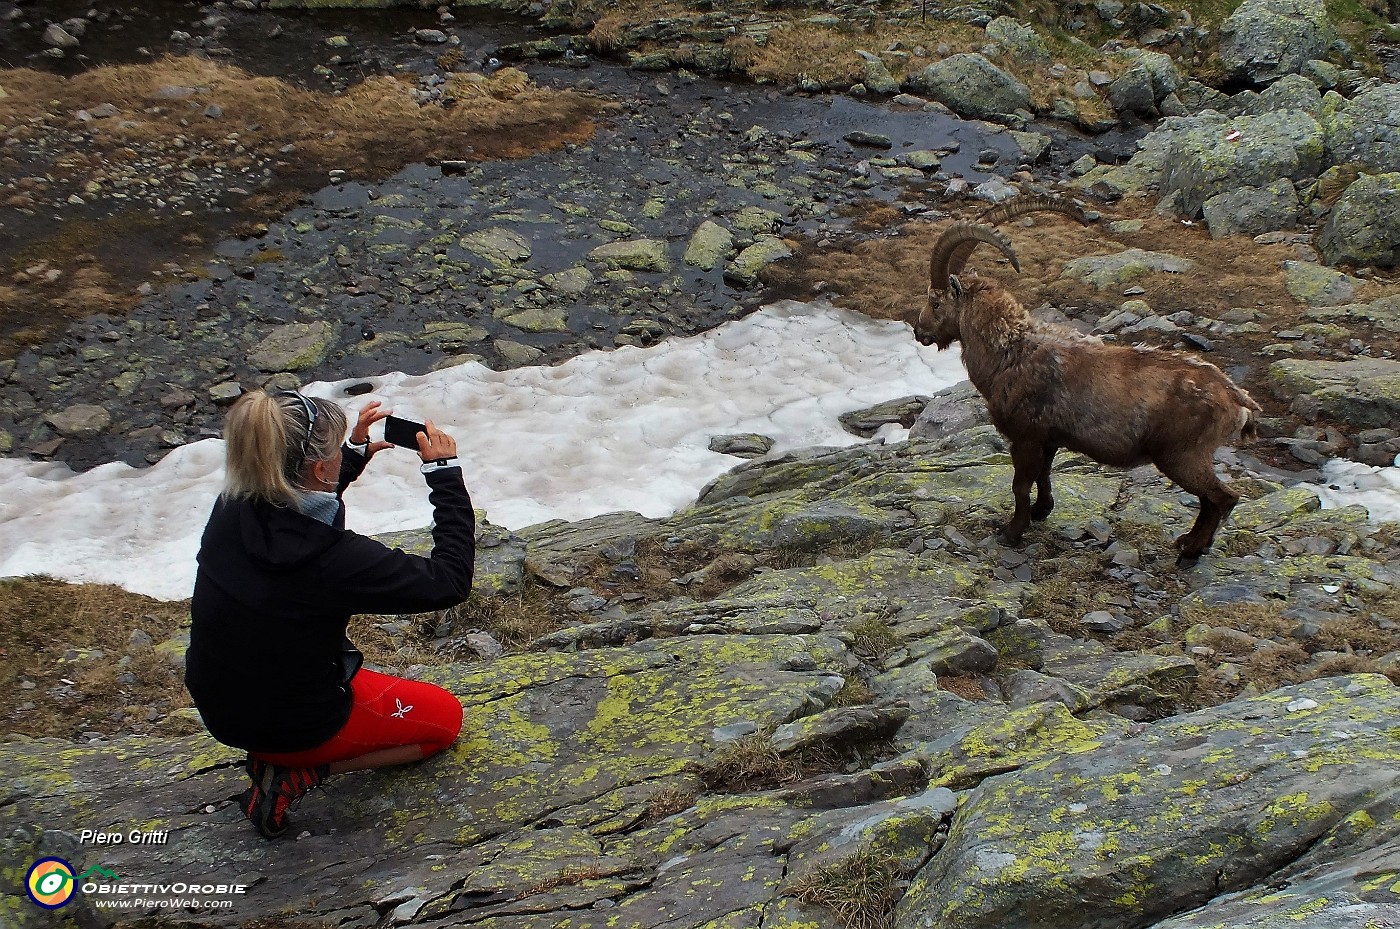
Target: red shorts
(389,712)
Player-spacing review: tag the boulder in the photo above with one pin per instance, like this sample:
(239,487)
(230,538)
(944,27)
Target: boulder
(1018,40)
(1252,210)
(633,255)
(1363,393)
(1365,130)
(1128,832)
(876,76)
(1251,151)
(972,86)
(1313,285)
(1292,92)
(1131,91)
(1130,264)
(743,270)
(710,245)
(1364,226)
(293,347)
(1265,39)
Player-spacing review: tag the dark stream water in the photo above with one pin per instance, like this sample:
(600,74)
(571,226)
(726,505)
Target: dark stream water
(703,148)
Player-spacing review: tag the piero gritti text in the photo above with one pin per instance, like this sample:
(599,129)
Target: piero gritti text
(134,837)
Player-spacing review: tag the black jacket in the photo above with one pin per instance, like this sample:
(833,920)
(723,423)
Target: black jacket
(269,664)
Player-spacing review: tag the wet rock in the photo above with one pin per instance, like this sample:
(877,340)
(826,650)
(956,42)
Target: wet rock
(710,246)
(972,86)
(571,282)
(517,353)
(1251,151)
(1314,285)
(747,445)
(293,347)
(453,338)
(1364,226)
(744,269)
(430,36)
(1363,393)
(1263,40)
(502,247)
(868,139)
(1115,270)
(81,421)
(1252,210)
(56,36)
(536,319)
(633,255)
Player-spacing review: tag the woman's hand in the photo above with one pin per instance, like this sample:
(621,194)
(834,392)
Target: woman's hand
(359,435)
(434,444)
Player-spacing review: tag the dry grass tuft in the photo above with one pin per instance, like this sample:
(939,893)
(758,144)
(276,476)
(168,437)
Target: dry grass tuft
(668,801)
(854,692)
(515,620)
(42,618)
(748,763)
(872,637)
(962,685)
(861,891)
(1355,634)
(574,874)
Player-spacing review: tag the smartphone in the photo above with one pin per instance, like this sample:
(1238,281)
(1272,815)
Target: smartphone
(402,432)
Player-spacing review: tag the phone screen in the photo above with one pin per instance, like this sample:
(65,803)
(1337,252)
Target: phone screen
(402,432)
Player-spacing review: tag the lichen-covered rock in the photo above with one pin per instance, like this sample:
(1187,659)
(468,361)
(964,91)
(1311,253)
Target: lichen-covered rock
(710,245)
(744,269)
(1365,130)
(502,247)
(1292,92)
(972,86)
(1313,285)
(633,255)
(1018,40)
(866,422)
(1262,40)
(1383,313)
(1363,393)
(1131,91)
(1364,226)
(875,75)
(1251,151)
(1120,268)
(1129,831)
(1252,210)
(293,347)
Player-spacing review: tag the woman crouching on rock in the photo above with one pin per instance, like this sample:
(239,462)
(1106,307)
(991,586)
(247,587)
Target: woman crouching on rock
(269,664)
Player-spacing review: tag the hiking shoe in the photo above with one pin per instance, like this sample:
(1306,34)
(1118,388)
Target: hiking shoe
(275,791)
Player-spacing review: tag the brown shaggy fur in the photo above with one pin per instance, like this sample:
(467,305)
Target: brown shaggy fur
(1049,388)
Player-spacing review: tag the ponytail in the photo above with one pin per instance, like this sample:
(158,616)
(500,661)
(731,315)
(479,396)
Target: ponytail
(270,438)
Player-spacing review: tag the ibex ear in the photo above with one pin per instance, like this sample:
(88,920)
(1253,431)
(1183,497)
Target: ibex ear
(955,285)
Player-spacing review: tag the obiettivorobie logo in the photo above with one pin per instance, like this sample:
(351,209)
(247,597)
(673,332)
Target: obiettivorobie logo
(51,882)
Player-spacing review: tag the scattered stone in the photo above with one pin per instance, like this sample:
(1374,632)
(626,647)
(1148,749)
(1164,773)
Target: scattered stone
(1364,226)
(746,445)
(710,246)
(58,37)
(80,421)
(744,269)
(1314,285)
(1105,271)
(633,255)
(1252,210)
(293,347)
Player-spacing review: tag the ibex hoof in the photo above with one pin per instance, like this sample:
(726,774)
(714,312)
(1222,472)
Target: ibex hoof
(1041,511)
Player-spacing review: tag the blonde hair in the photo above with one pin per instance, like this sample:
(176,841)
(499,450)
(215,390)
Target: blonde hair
(270,439)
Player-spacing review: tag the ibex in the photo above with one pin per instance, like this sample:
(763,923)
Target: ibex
(1048,387)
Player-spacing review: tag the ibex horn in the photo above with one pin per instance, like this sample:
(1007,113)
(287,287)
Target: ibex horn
(1039,204)
(1010,210)
(959,234)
